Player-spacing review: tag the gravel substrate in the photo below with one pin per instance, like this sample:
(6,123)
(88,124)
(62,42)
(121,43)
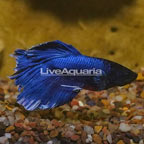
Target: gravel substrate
(115,116)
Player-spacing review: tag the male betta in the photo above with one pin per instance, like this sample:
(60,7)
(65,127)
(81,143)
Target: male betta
(39,90)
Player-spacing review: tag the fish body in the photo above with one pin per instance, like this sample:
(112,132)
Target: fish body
(43,88)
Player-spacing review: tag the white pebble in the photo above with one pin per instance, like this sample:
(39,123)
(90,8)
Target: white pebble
(7,96)
(14,109)
(3,140)
(8,135)
(2,119)
(109,138)
(81,103)
(72,127)
(137,117)
(106,111)
(89,136)
(131,141)
(128,102)
(50,142)
(124,127)
(89,139)
(20,139)
(6,122)
(26,121)
(112,103)
(75,107)
(89,130)
(141,142)
(119,98)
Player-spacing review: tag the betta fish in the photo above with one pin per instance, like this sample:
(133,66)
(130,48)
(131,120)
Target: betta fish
(42,85)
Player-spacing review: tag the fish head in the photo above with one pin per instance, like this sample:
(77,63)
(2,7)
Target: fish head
(119,75)
(113,74)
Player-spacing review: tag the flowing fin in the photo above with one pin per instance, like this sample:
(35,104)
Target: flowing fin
(47,93)
(43,91)
(42,53)
(37,55)
(75,88)
(57,46)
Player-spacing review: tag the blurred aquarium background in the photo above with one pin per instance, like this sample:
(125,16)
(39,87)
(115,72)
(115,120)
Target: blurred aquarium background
(110,29)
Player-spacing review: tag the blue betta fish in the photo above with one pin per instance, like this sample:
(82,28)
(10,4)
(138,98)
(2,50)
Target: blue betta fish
(52,74)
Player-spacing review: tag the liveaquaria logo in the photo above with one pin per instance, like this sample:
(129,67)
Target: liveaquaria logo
(71,72)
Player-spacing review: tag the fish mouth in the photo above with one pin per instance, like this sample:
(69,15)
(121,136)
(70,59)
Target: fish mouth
(135,76)
(130,78)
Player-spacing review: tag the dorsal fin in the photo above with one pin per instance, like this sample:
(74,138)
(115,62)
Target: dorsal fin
(42,53)
(57,45)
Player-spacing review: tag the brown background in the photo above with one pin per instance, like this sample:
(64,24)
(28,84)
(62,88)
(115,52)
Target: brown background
(112,29)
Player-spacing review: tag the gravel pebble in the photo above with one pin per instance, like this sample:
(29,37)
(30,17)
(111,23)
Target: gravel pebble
(89,118)
(9,129)
(81,103)
(89,139)
(89,130)
(138,117)
(75,107)
(8,135)
(97,139)
(124,127)
(3,140)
